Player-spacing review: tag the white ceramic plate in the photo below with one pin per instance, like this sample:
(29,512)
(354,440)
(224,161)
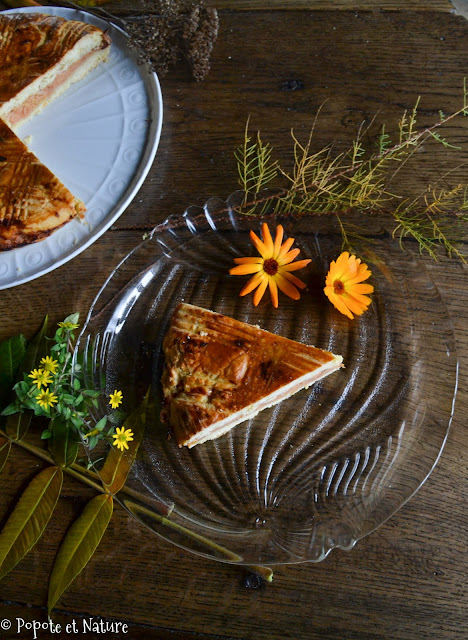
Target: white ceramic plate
(100,139)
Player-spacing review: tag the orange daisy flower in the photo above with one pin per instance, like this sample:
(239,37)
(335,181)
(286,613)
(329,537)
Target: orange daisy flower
(273,268)
(344,285)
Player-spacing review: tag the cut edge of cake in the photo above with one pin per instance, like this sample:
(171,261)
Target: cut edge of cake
(85,55)
(220,372)
(221,427)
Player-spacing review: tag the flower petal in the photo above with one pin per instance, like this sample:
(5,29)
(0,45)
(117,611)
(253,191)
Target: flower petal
(267,239)
(361,288)
(248,260)
(273,292)
(360,277)
(362,300)
(294,266)
(353,305)
(287,287)
(293,279)
(341,264)
(285,248)
(260,291)
(258,244)
(337,302)
(244,269)
(289,257)
(253,283)
(278,241)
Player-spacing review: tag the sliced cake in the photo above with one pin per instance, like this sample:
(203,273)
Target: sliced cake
(220,372)
(41,57)
(33,202)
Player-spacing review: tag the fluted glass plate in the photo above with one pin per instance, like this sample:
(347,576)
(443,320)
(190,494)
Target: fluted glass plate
(323,468)
(100,138)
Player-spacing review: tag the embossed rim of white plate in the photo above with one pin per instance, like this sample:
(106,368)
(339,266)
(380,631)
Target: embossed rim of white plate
(25,263)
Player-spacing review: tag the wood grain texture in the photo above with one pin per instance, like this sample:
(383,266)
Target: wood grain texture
(301,5)
(336,5)
(406,581)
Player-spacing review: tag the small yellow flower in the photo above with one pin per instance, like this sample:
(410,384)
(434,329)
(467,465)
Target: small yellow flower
(90,434)
(122,437)
(46,399)
(69,326)
(344,285)
(273,268)
(115,399)
(40,377)
(48,364)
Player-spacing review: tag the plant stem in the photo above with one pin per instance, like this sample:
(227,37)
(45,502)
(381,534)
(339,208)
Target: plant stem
(81,473)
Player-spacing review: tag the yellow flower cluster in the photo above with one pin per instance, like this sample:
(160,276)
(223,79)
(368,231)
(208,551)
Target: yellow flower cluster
(43,377)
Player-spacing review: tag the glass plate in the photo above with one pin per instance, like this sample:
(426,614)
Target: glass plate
(324,467)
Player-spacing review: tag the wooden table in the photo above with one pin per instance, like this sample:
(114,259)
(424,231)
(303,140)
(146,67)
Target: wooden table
(277,61)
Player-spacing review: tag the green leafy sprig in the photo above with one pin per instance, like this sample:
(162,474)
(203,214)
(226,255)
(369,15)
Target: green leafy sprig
(55,390)
(358,180)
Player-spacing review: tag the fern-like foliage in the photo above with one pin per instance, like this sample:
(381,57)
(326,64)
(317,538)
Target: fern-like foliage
(254,163)
(359,180)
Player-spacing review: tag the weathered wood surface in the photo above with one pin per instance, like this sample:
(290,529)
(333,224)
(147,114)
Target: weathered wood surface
(337,5)
(313,5)
(406,581)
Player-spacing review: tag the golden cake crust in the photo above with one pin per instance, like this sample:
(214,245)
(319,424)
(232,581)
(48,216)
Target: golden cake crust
(31,44)
(40,54)
(33,202)
(217,366)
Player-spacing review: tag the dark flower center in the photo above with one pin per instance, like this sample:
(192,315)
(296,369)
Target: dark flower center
(338,287)
(270,266)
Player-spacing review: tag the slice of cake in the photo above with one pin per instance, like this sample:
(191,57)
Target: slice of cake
(33,202)
(220,372)
(41,57)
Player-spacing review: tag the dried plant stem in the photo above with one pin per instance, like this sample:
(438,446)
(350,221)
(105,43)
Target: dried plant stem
(90,478)
(358,180)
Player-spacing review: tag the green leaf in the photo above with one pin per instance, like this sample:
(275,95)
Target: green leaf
(29,518)
(63,444)
(118,463)
(18,426)
(36,349)
(92,442)
(101,424)
(73,318)
(91,394)
(76,384)
(77,422)
(78,400)
(23,386)
(5,446)
(116,417)
(79,545)
(11,409)
(11,354)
